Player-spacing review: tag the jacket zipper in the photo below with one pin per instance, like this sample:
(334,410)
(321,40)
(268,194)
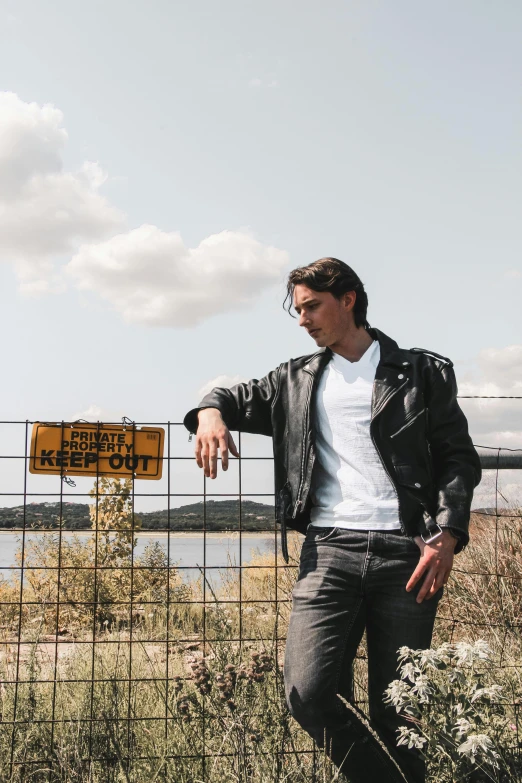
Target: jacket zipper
(278,387)
(430,461)
(298,502)
(407,423)
(388,398)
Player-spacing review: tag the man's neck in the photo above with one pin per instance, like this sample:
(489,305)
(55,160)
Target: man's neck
(353,344)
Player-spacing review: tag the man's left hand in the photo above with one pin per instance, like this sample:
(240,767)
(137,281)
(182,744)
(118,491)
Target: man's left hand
(436,562)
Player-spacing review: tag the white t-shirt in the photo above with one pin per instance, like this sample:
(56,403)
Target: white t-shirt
(350,487)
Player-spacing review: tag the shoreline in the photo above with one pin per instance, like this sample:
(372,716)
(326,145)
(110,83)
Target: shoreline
(149,533)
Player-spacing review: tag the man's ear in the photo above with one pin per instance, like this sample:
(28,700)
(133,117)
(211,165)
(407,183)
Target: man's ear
(349,298)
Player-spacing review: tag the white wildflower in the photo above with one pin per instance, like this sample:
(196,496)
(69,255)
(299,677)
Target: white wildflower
(457,677)
(462,726)
(422,688)
(463,653)
(397,694)
(466,653)
(444,652)
(410,738)
(409,672)
(478,745)
(482,650)
(430,658)
(492,692)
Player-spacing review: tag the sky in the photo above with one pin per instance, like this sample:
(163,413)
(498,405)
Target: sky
(163,167)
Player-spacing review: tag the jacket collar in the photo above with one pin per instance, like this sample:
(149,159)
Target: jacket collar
(390,352)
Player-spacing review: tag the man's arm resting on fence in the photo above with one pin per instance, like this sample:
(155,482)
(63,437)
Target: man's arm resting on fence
(246,407)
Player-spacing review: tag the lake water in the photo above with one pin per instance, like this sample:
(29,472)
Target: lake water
(188,550)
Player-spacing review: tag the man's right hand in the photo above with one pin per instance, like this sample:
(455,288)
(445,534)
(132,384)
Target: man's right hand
(212,434)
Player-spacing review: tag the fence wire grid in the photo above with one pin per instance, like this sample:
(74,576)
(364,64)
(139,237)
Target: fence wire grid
(142,626)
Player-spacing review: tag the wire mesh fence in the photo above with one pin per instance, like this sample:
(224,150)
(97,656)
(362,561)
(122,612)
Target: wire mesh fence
(143,624)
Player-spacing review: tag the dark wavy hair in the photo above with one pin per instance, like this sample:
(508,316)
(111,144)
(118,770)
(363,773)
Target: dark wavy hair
(330,274)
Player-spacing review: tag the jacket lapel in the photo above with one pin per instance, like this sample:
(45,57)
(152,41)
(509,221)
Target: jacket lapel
(392,372)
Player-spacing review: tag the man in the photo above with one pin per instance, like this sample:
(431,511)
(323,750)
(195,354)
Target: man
(374,464)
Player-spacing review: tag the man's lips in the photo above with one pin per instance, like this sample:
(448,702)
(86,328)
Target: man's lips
(312,331)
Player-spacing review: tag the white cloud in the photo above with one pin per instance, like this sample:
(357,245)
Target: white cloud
(45,212)
(495,422)
(92,413)
(150,276)
(95,413)
(512,273)
(48,215)
(220,380)
(504,365)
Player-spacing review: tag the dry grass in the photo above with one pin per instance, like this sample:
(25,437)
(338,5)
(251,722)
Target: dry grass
(119,712)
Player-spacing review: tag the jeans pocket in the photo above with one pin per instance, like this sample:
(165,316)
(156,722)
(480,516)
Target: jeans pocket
(317,534)
(412,544)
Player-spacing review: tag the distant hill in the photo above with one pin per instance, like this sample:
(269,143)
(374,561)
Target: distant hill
(220,515)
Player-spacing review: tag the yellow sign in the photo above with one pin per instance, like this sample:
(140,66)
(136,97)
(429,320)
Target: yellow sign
(97,450)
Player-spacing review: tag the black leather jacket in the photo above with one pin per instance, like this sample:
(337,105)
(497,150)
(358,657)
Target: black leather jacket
(417,426)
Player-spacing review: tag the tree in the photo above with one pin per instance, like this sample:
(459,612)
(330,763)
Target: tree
(113,520)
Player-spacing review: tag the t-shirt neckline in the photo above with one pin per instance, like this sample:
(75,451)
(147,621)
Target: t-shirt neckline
(365,358)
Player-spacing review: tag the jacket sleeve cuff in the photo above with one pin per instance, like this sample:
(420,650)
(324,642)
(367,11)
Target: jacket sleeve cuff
(460,535)
(191,419)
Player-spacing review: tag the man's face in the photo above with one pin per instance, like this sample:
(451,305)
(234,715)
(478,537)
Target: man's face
(323,316)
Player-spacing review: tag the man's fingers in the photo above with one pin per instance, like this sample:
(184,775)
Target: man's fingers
(440,580)
(206,451)
(201,455)
(213,459)
(232,446)
(435,563)
(197,452)
(204,457)
(433,589)
(432,584)
(426,586)
(414,578)
(224,453)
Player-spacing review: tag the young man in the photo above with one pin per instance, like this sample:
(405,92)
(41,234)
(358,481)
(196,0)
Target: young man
(374,464)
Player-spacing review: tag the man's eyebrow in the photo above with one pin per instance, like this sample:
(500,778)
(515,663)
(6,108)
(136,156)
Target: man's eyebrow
(307,301)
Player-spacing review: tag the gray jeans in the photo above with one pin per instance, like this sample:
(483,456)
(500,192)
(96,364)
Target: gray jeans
(350,581)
